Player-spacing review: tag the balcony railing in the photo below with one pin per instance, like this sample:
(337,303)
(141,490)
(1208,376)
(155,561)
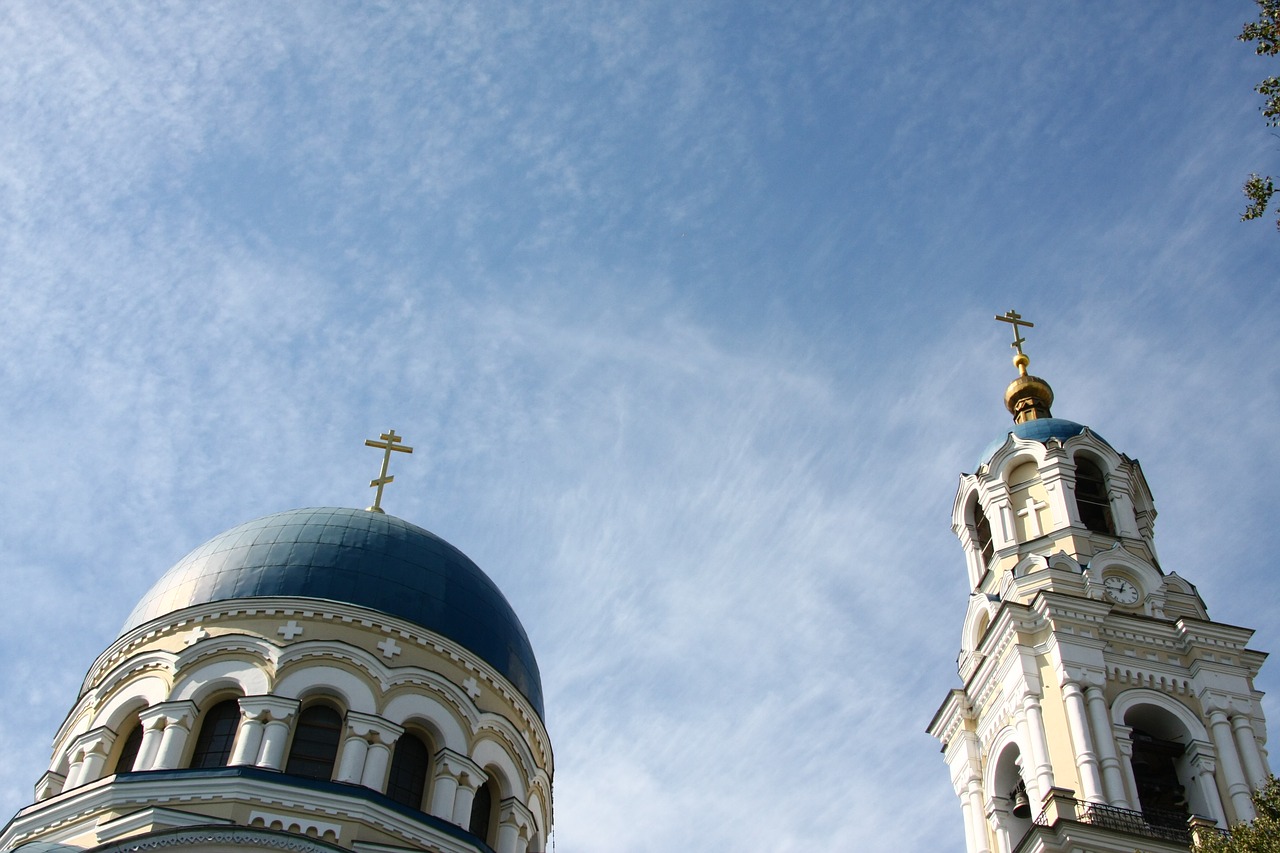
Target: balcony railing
(1166,826)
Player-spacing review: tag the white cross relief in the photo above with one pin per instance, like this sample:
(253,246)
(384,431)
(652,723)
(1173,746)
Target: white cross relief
(289,630)
(473,689)
(1032,514)
(389,647)
(197,634)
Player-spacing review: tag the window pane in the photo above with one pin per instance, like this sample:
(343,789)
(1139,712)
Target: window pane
(409,767)
(315,743)
(217,734)
(1092,503)
(129,751)
(480,808)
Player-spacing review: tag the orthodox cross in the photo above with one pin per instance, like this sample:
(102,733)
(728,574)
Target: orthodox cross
(390,441)
(1032,514)
(1015,319)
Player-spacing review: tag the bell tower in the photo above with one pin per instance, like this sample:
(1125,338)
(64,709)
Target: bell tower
(1100,706)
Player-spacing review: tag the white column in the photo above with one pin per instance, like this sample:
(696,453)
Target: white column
(515,826)
(248,740)
(274,714)
(152,730)
(375,766)
(468,782)
(1200,759)
(354,749)
(1086,760)
(1039,745)
(1112,778)
(1242,728)
(73,772)
(275,735)
(176,719)
(172,744)
(1124,745)
(998,818)
(375,736)
(95,760)
(508,834)
(977,824)
(970,843)
(444,789)
(1229,763)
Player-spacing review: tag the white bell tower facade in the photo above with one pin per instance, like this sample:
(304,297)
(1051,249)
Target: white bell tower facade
(1101,707)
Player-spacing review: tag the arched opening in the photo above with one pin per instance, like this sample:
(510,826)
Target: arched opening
(217,734)
(129,749)
(410,769)
(315,743)
(481,823)
(981,531)
(1014,810)
(980,630)
(1092,503)
(1161,794)
(1162,769)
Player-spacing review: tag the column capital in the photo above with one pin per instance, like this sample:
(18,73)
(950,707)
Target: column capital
(515,813)
(180,713)
(373,728)
(97,740)
(50,784)
(267,707)
(463,770)
(1202,755)
(1215,702)
(1083,677)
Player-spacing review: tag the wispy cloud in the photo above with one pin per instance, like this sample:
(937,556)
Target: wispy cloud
(686,311)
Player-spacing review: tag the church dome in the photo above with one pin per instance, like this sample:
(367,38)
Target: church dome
(357,557)
(1041,430)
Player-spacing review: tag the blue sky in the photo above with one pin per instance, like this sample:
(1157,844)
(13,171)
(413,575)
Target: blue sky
(687,310)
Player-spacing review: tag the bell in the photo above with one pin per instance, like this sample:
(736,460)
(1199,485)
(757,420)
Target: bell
(1021,805)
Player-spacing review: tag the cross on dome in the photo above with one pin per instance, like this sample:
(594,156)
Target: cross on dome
(390,441)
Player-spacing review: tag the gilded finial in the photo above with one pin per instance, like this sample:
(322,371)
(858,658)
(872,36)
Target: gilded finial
(1027,397)
(390,441)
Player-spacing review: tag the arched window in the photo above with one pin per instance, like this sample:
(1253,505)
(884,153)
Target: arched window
(315,743)
(409,768)
(482,811)
(1091,498)
(1161,794)
(982,527)
(217,733)
(129,749)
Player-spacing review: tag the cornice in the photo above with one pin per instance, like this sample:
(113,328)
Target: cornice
(262,789)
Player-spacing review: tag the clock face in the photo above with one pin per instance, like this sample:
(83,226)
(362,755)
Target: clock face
(1120,590)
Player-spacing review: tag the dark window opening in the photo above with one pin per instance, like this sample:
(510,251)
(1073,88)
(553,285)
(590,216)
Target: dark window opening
(129,750)
(315,743)
(1091,498)
(409,767)
(1162,797)
(217,734)
(481,809)
(982,527)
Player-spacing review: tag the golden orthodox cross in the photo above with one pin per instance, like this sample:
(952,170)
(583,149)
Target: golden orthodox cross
(1015,319)
(390,441)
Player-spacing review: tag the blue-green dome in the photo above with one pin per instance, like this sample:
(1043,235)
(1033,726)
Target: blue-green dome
(358,557)
(1041,430)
